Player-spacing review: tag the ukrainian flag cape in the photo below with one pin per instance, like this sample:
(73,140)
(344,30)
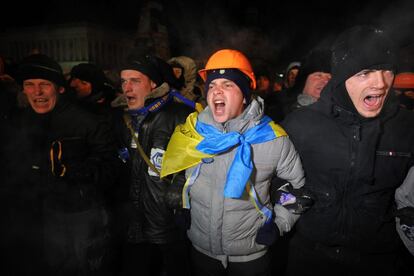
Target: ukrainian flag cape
(194,140)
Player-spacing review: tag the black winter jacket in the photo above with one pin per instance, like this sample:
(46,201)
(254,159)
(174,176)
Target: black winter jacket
(353,168)
(150,219)
(87,151)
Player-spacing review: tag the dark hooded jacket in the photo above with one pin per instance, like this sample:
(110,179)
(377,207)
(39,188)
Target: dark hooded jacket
(353,166)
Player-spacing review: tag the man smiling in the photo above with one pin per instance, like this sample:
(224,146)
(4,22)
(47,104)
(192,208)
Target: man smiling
(356,146)
(65,158)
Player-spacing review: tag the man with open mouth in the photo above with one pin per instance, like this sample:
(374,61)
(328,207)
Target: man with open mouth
(231,151)
(356,146)
(153,240)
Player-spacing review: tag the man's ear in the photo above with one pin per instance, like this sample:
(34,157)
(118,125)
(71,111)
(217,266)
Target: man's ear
(153,85)
(61,89)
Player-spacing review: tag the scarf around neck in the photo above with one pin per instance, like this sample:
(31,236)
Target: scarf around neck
(196,140)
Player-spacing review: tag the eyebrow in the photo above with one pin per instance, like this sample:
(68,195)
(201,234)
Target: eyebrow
(225,81)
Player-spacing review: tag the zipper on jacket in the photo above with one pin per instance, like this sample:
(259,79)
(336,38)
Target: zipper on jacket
(357,133)
(356,137)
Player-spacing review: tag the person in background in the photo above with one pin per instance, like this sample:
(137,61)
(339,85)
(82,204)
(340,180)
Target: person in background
(292,71)
(264,85)
(10,236)
(185,69)
(272,100)
(92,88)
(312,78)
(231,150)
(154,243)
(63,161)
(287,96)
(356,147)
(404,88)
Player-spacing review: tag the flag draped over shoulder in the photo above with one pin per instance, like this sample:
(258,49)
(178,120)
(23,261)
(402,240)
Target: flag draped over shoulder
(194,140)
(181,152)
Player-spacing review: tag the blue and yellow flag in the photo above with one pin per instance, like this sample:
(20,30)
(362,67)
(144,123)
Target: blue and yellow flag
(194,140)
(181,152)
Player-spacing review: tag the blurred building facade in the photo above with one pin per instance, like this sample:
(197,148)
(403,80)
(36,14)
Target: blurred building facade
(69,44)
(75,43)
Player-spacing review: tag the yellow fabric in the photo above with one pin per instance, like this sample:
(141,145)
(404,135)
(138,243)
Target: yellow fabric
(199,107)
(181,151)
(277,129)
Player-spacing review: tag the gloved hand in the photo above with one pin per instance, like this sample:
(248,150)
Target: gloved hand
(295,200)
(173,193)
(406,216)
(268,234)
(182,218)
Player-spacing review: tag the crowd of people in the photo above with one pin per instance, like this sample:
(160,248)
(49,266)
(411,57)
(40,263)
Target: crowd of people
(210,171)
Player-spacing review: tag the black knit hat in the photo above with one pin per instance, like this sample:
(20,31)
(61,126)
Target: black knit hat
(157,69)
(359,48)
(317,60)
(90,73)
(40,66)
(235,75)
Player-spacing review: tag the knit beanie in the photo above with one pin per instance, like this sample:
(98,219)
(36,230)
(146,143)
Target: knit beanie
(155,68)
(147,65)
(292,65)
(235,75)
(358,48)
(39,66)
(90,73)
(317,60)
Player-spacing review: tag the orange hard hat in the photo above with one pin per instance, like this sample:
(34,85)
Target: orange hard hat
(404,80)
(229,59)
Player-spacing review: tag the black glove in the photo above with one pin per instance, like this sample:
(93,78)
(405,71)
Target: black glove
(406,216)
(268,234)
(182,218)
(174,193)
(295,200)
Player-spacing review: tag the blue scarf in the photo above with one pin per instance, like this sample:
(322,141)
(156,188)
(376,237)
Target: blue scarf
(156,105)
(215,142)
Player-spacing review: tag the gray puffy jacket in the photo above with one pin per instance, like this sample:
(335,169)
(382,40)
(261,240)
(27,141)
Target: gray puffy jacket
(226,228)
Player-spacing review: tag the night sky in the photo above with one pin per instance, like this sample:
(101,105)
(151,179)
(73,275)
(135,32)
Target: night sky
(275,31)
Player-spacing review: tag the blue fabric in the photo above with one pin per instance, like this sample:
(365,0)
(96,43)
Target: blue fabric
(186,101)
(152,107)
(215,142)
(157,105)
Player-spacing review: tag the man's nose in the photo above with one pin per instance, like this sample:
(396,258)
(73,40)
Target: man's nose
(379,79)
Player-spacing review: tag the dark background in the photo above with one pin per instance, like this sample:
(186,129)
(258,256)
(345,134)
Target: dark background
(276,32)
